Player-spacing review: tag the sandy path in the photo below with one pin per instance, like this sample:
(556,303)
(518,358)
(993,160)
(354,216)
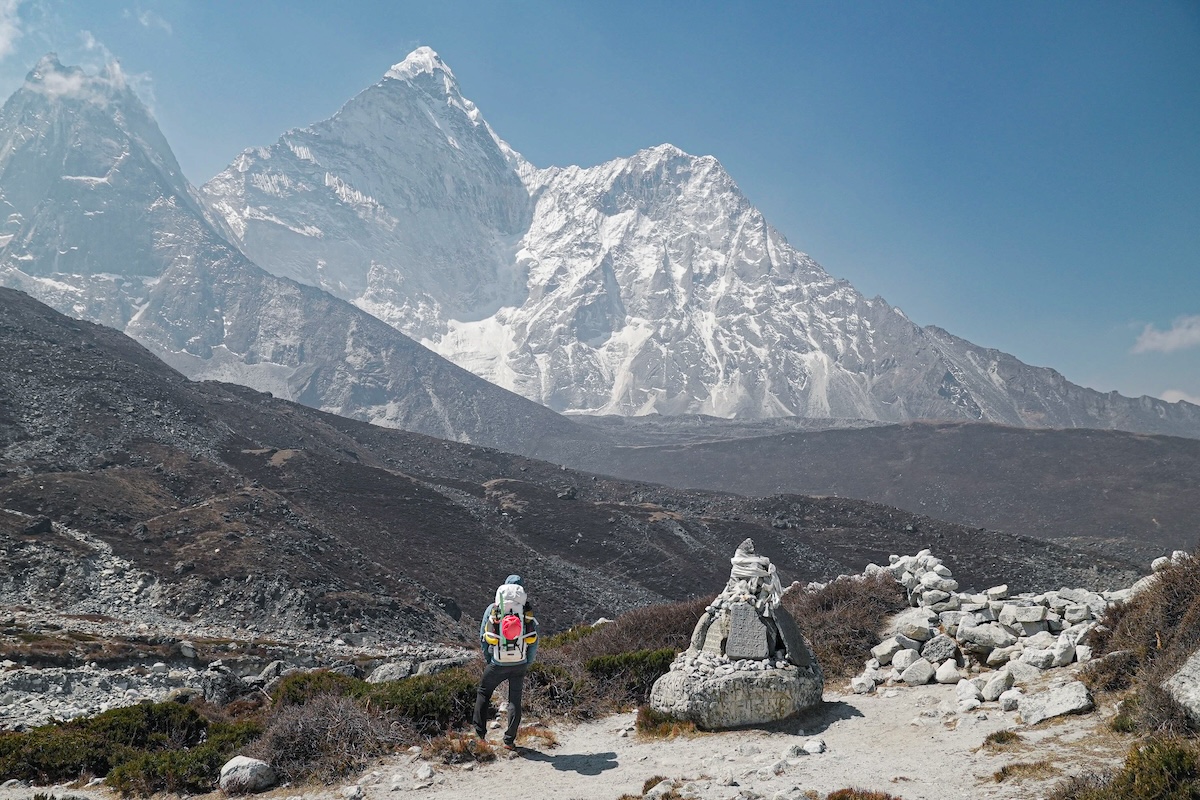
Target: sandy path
(910,742)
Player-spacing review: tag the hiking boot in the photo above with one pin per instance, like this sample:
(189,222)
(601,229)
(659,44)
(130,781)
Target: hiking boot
(510,745)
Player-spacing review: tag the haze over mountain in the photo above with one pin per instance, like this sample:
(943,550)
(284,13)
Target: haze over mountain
(102,225)
(646,284)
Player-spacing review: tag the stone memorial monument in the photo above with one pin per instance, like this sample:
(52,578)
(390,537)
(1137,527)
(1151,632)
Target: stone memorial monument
(747,664)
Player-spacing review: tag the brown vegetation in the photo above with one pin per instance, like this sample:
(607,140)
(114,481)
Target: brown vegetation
(843,620)
(1035,770)
(1143,642)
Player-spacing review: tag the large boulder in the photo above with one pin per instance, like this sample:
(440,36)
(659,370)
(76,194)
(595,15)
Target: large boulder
(1072,698)
(242,775)
(391,671)
(1184,686)
(221,687)
(738,698)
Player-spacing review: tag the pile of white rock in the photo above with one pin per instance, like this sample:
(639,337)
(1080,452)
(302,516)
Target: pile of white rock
(953,637)
(708,664)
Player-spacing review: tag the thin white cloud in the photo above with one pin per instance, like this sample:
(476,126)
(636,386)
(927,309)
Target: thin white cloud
(91,43)
(1175,395)
(10,26)
(1183,333)
(149,19)
(99,76)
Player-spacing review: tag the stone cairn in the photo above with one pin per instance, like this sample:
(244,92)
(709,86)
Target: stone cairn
(748,663)
(989,643)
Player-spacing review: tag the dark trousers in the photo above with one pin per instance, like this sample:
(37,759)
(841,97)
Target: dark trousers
(493,676)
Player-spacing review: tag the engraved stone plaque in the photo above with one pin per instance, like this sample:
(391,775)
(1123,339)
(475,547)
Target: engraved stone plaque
(747,633)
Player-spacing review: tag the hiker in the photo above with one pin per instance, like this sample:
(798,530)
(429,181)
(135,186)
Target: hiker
(508,636)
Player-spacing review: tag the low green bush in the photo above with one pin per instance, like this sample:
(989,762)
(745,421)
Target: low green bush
(631,674)
(570,635)
(1158,769)
(143,749)
(432,704)
(188,770)
(298,688)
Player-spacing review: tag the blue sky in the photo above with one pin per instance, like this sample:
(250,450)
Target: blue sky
(1023,174)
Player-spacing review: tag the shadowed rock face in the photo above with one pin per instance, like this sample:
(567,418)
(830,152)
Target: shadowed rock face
(241,508)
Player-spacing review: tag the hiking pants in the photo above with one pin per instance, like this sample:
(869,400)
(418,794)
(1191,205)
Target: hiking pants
(493,676)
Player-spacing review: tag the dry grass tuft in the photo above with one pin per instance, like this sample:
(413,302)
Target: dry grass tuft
(1027,770)
(1001,739)
(652,781)
(537,733)
(859,794)
(458,748)
(657,725)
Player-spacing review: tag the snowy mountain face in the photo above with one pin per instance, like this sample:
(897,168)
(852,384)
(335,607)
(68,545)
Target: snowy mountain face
(337,205)
(101,224)
(647,284)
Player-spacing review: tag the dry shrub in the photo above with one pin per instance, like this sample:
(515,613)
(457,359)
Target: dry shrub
(859,794)
(550,688)
(1114,672)
(651,628)
(1147,639)
(614,666)
(327,737)
(843,620)
(458,748)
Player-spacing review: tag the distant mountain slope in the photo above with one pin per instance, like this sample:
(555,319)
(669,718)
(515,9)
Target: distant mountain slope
(102,225)
(647,284)
(1113,491)
(246,509)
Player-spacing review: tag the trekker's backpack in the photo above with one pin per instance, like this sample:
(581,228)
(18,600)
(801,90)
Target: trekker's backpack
(507,630)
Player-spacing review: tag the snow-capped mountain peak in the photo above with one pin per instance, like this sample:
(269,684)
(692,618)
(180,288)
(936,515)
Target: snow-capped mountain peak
(646,284)
(422,61)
